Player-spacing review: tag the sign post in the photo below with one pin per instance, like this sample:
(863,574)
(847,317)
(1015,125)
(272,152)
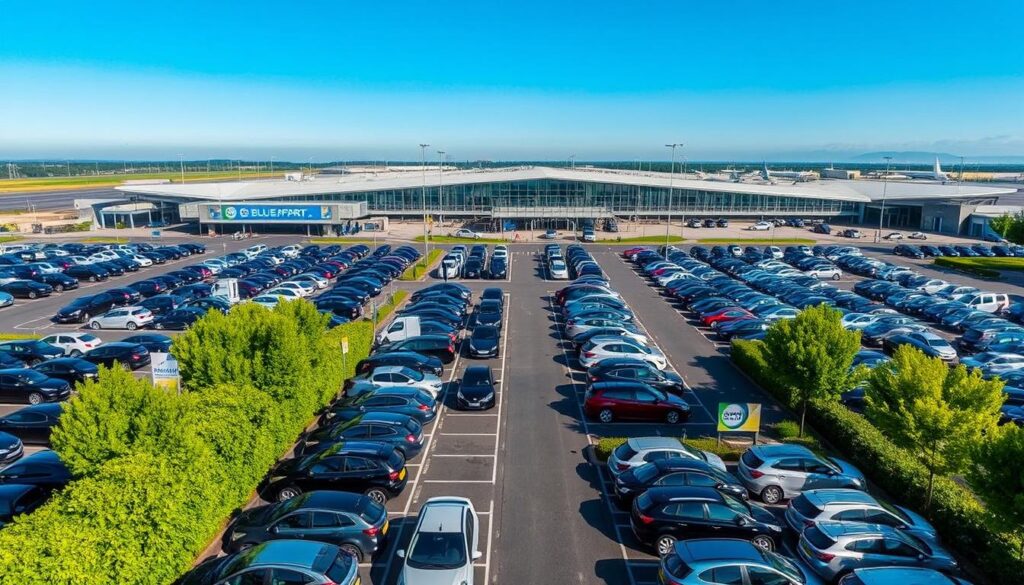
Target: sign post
(165,371)
(737,417)
(344,353)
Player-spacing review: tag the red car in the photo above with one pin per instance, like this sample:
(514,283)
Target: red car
(632,251)
(609,401)
(725,315)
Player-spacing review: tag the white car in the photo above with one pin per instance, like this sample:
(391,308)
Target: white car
(992,363)
(665,279)
(933,286)
(268,300)
(287,294)
(254,251)
(130,318)
(142,260)
(80,260)
(444,544)
(825,272)
(858,321)
(403,377)
(894,236)
(47,268)
(918,236)
(775,252)
(73,344)
(558,269)
(641,450)
(761,226)
(313,279)
(291,250)
(601,348)
(464,233)
(303,288)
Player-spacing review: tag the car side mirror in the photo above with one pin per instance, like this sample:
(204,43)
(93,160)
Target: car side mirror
(400,553)
(741,521)
(477,554)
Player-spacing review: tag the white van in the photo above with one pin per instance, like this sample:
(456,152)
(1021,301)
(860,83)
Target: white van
(403,327)
(988,302)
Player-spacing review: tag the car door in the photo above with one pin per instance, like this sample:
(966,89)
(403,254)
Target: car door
(789,472)
(9,387)
(817,474)
(294,525)
(646,405)
(896,552)
(721,522)
(766,576)
(250,577)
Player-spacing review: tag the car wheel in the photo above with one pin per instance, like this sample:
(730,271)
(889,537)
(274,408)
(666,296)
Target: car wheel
(288,493)
(35,398)
(32,294)
(59,288)
(131,326)
(94,325)
(673,417)
(835,277)
(665,544)
(772,494)
(85,317)
(763,542)
(354,551)
(377,495)
(75,353)
(92,278)
(606,415)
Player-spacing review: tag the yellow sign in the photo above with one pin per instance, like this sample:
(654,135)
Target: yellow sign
(344,344)
(739,417)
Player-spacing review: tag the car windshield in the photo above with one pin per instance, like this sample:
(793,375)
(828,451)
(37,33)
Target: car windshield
(784,566)
(736,505)
(32,376)
(936,342)
(896,512)
(418,376)
(485,333)
(438,550)
(474,377)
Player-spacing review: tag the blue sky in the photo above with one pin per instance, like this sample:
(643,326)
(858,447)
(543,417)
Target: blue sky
(508,80)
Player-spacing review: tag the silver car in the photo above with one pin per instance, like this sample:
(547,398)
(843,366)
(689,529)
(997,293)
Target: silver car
(602,348)
(403,377)
(845,505)
(831,549)
(641,450)
(711,561)
(444,545)
(130,318)
(779,472)
(900,576)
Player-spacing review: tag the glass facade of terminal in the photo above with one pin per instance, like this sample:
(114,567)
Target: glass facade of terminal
(621,200)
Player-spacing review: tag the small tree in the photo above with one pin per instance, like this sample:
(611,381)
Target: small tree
(941,414)
(997,475)
(813,355)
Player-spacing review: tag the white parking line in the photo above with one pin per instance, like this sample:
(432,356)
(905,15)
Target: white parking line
(462,455)
(469,434)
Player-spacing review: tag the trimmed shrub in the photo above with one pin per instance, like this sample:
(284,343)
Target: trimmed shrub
(606,445)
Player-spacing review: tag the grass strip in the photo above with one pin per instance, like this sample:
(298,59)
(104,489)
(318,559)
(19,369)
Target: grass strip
(423,266)
(644,240)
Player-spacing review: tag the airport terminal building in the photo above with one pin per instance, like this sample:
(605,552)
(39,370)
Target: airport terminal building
(541,197)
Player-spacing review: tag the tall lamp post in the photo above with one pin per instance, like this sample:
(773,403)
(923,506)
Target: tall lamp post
(440,182)
(181,159)
(885,188)
(671,193)
(423,200)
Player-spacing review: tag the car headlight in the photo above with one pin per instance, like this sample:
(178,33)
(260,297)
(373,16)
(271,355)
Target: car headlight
(460,395)
(489,396)
(4,451)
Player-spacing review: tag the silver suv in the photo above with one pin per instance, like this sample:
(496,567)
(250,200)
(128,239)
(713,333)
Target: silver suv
(779,472)
(640,450)
(832,549)
(845,505)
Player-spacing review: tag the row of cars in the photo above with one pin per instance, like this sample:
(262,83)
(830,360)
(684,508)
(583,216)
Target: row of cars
(329,511)
(956,250)
(698,517)
(476,262)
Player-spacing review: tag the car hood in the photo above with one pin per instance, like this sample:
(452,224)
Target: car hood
(483,343)
(252,517)
(850,471)
(435,576)
(714,460)
(919,525)
(476,391)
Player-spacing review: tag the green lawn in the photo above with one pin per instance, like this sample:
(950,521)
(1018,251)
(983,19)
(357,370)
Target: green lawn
(643,240)
(385,310)
(89,181)
(757,241)
(343,240)
(5,239)
(987,267)
(451,240)
(418,269)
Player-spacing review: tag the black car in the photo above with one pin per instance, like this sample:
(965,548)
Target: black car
(663,515)
(408,401)
(26,289)
(26,385)
(154,342)
(193,248)
(33,423)
(477,389)
(398,430)
(473,269)
(440,346)
(81,309)
(451,288)
(147,288)
(178,319)
(354,523)
(498,269)
(488,315)
(9,361)
(675,472)
(72,370)
(343,306)
(59,281)
(17,499)
(365,467)
(129,355)
(409,359)
(126,296)
(634,370)
(11,448)
(31,351)
(162,304)
(43,469)
(484,341)
(210,303)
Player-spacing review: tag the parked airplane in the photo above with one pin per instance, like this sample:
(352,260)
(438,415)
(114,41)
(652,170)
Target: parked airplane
(799,176)
(936,174)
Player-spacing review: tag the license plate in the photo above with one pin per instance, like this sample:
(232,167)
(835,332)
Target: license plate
(401,474)
(358,581)
(384,529)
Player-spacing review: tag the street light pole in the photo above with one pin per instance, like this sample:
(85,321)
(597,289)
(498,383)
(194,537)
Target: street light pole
(885,188)
(572,161)
(440,180)
(181,159)
(423,200)
(671,193)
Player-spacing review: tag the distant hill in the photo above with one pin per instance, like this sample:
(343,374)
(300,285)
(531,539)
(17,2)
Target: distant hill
(926,158)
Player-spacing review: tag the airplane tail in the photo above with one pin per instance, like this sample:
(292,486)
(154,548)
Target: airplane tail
(937,169)
(764,171)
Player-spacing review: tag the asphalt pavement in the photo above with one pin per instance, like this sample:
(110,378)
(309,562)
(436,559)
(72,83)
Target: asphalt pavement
(53,200)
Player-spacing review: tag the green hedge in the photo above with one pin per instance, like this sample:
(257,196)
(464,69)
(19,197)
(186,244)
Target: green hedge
(158,473)
(979,266)
(606,445)
(418,269)
(959,517)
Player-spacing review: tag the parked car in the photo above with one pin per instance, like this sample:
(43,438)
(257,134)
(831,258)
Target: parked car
(484,341)
(672,472)
(408,401)
(130,318)
(598,349)
(637,451)
(662,516)
(439,346)
(26,289)
(706,561)
(778,472)
(476,389)
(73,344)
(154,342)
(278,562)
(83,308)
(634,370)
(11,448)
(43,469)
(899,576)
(927,342)
(832,549)
(33,423)
(401,431)
(17,499)
(409,359)
(444,544)
(31,351)
(131,356)
(72,370)
(374,469)
(354,523)
(846,505)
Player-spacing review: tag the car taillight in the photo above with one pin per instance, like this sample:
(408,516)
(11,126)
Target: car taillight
(646,519)
(756,474)
(393,476)
(622,466)
(371,531)
(589,354)
(136,357)
(823,556)
(451,348)
(410,438)
(423,407)
(593,378)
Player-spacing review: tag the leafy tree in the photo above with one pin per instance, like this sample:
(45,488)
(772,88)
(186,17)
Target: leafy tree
(1009,226)
(997,475)
(813,356)
(926,407)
